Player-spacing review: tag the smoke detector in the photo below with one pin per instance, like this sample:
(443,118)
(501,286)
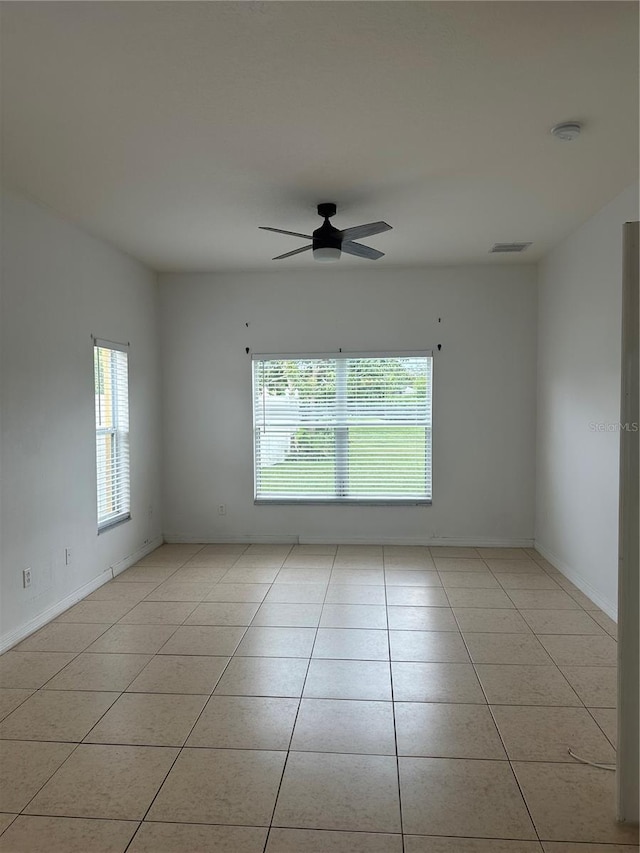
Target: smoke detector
(567,131)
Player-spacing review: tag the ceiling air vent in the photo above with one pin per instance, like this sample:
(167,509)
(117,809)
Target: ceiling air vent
(509,247)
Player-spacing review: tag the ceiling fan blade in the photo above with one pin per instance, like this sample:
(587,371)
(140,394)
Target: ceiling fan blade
(359,231)
(295,252)
(361,251)
(290,233)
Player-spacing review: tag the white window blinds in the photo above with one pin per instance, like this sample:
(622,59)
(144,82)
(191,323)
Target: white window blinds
(344,428)
(112,432)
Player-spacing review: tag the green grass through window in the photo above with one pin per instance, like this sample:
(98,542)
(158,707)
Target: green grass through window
(382,461)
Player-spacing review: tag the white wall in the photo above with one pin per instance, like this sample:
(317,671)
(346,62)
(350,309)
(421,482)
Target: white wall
(579,325)
(484,395)
(60,286)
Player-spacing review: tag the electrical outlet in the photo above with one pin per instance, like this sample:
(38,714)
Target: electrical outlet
(26,578)
(222,509)
(67,556)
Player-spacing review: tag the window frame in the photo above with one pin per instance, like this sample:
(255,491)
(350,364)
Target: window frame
(120,437)
(337,500)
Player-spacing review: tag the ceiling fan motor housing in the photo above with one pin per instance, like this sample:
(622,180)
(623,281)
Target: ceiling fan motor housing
(327,236)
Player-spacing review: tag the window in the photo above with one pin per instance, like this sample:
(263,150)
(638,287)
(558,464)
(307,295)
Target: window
(347,428)
(112,432)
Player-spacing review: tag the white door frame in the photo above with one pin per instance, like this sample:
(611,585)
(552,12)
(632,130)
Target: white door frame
(628,750)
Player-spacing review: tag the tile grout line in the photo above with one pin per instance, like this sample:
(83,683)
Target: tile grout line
(613,745)
(181,748)
(20,704)
(504,746)
(48,779)
(286,759)
(173,763)
(393,711)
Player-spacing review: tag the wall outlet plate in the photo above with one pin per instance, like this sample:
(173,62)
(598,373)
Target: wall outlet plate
(26,578)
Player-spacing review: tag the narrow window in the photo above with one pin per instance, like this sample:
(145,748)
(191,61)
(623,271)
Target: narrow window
(347,428)
(111,369)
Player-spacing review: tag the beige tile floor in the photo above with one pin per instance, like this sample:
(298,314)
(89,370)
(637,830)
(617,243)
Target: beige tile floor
(310,699)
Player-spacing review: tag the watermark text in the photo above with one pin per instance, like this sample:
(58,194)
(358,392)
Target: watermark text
(610,426)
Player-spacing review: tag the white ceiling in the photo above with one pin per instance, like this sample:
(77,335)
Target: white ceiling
(175,129)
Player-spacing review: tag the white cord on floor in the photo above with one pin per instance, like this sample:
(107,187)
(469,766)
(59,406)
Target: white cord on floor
(591,763)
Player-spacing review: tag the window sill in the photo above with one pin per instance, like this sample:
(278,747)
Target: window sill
(115,523)
(340,502)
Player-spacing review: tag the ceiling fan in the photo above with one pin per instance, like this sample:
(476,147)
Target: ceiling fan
(328,242)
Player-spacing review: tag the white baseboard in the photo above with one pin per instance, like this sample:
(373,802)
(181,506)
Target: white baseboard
(209,539)
(12,638)
(468,542)
(131,559)
(609,607)
(459,542)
